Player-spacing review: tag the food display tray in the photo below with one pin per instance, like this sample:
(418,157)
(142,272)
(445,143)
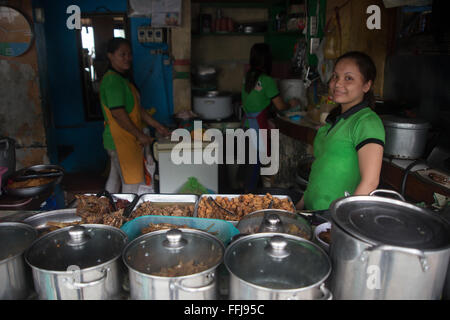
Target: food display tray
(39,221)
(116,196)
(221,229)
(231,196)
(168,198)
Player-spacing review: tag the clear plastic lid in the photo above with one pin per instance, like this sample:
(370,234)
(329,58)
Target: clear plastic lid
(85,246)
(174,253)
(277,261)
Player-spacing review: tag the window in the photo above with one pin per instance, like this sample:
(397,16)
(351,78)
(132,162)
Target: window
(96,30)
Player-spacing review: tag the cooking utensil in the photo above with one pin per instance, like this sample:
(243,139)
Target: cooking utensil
(15,276)
(211,200)
(78,263)
(383,248)
(213,105)
(127,211)
(275,220)
(270,266)
(405,138)
(37,190)
(106,194)
(176,264)
(40,221)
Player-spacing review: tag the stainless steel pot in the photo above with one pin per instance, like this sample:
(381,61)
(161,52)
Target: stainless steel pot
(213,105)
(387,249)
(275,221)
(177,264)
(15,276)
(78,263)
(274,266)
(405,138)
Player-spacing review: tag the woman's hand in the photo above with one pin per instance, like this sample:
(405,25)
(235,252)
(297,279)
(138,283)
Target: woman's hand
(301,204)
(145,140)
(162,130)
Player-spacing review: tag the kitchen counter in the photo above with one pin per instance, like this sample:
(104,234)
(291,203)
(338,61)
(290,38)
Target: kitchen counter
(418,188)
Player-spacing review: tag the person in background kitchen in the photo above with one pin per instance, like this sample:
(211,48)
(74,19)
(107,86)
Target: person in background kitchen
(348,149)
(259,92)
(123,136)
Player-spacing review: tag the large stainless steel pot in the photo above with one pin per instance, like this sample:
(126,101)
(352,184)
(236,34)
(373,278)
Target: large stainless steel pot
(382,248)
(78,263)
(405,138)
(213,105)
(15,276)
(177,264)
(275,266)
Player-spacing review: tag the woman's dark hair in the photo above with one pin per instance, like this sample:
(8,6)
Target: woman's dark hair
(260,62)
(112,46)
(367,68)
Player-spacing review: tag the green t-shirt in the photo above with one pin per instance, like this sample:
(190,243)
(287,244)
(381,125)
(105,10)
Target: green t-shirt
(115,92)
(335,168)
(262,94)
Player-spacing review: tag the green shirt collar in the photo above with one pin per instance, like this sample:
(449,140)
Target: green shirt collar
(335,115)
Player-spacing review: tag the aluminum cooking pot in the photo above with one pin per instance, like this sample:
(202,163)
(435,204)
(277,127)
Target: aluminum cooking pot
(78,263)
(213,105)
(274,266)
(275,221)
(176,264)
(387,249)
(405,138)
(15,276)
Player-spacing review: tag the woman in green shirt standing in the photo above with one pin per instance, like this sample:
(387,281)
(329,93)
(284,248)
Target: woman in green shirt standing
(123,137)
(348,149)
(259,92)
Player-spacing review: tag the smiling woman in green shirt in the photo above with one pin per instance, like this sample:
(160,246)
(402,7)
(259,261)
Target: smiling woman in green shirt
(348,150)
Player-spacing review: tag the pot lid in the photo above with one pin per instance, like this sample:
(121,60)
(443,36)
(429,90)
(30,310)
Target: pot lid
(275,220)
(174,253)
(15,238)
(213,94)
(85,246)
(404,123)
(277,261)
(379,220)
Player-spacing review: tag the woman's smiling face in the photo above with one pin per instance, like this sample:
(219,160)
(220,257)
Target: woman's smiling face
(347,84)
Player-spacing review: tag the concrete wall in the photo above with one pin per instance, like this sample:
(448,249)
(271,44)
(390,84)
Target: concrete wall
(21,111)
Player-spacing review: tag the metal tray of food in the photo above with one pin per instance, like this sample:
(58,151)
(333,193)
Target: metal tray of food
(32,191)
(164,200)
(56,218)
(231,196)
(130,197)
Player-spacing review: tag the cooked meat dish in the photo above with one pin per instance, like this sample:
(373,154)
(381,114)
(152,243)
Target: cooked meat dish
(241,206)
(325,236)
(162,226)
(157,209)
(95,210)
(33,182)
(182,269)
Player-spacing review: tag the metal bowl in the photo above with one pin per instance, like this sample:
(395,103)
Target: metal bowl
(34,191)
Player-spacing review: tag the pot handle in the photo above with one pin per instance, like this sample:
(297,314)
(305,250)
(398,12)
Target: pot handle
(415,252)
(395,193)
(76,284)
(210,285)
(327,295)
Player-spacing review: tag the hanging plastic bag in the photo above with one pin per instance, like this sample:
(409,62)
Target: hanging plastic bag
(333,39)
(149,173)
(192,186)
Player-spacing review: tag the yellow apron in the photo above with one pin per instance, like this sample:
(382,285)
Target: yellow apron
(129,151)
